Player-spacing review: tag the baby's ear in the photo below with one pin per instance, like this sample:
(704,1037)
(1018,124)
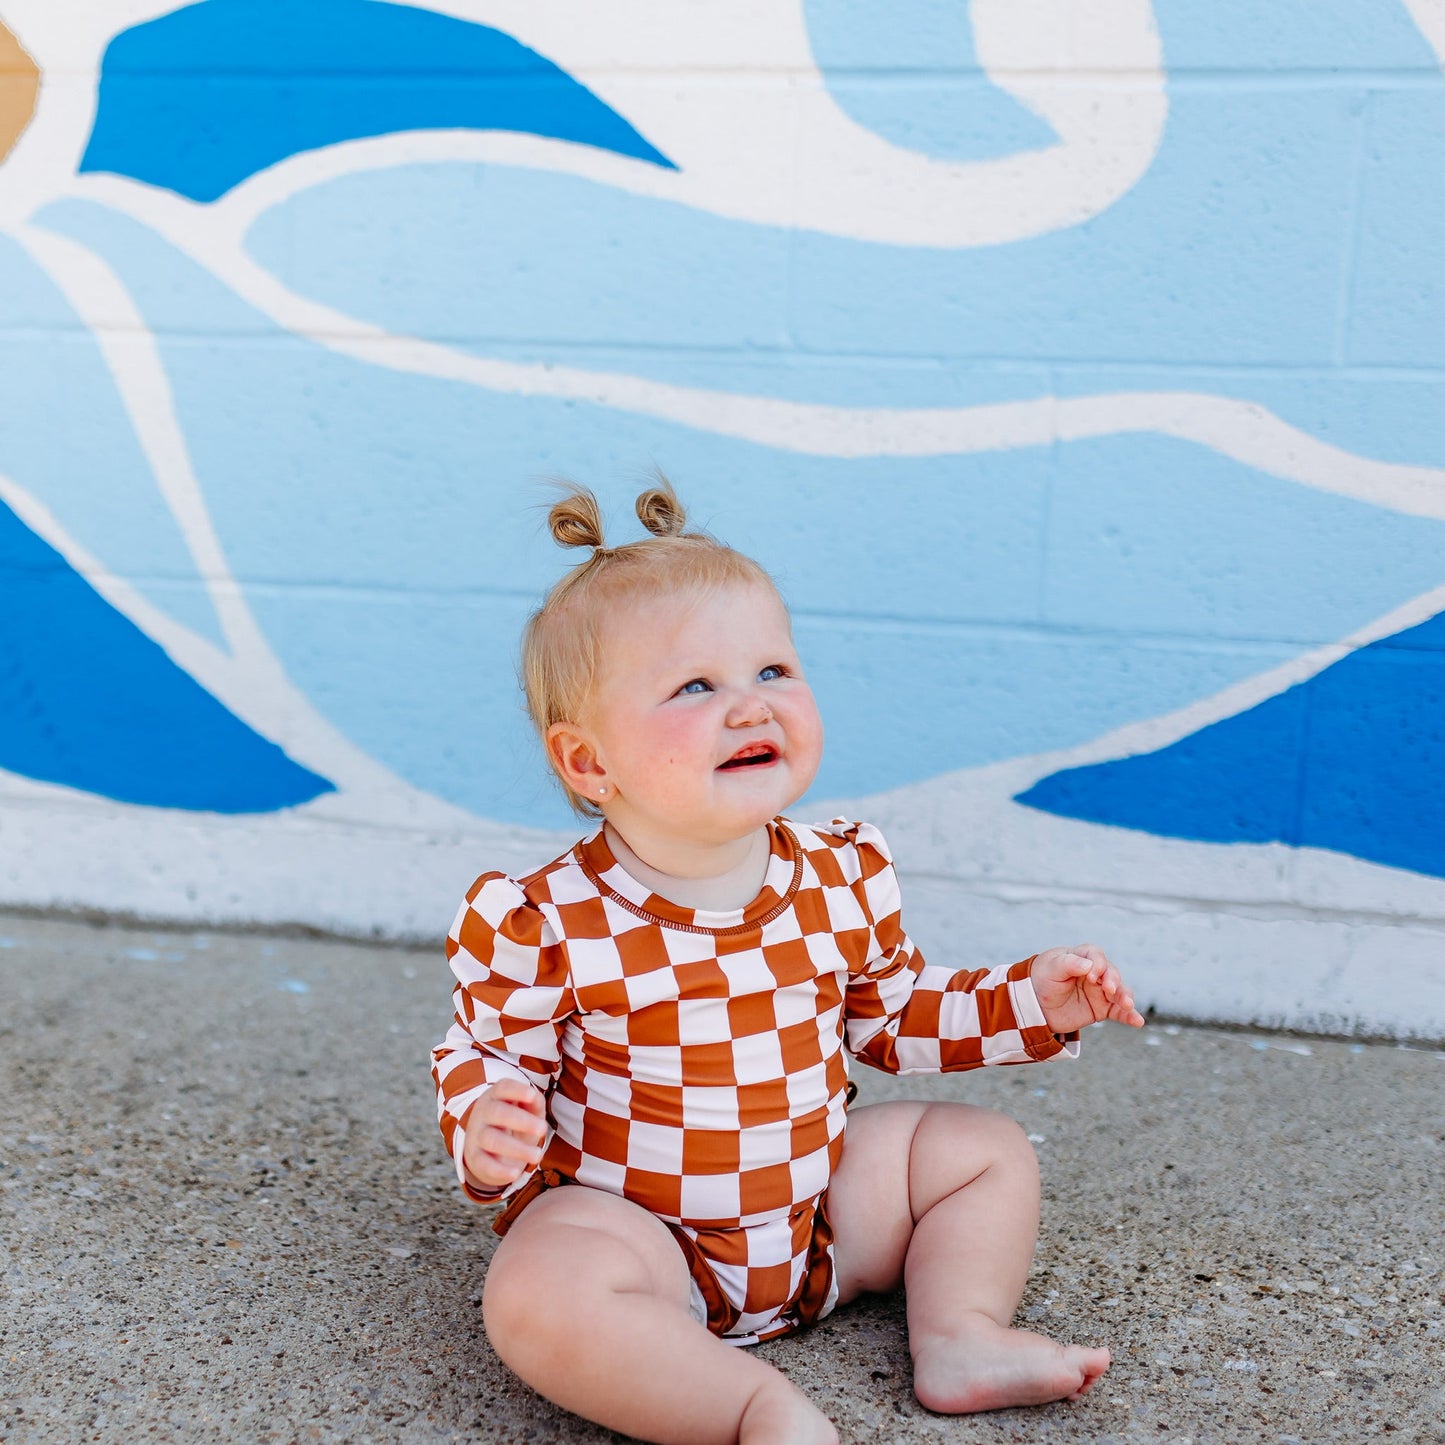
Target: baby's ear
(574,755)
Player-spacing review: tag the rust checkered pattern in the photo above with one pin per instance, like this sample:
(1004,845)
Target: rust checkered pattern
(696,1063)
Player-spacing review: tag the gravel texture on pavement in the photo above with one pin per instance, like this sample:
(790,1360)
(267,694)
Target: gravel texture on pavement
(225,1215)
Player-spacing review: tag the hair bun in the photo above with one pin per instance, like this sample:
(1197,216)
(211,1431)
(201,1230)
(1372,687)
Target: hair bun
(575,518)
(659,510)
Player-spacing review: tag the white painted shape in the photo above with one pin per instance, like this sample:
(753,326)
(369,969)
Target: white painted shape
(733,96)
(965,829)
(1205,931)
(1429,16)
(43,160)
(746,115)
(1333,974)
(74,852)
(1243,430)
(1258,961)
(1253,435)
(67,42)
(133,359)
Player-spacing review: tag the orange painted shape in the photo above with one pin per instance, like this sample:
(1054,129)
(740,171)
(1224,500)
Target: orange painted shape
(19,88)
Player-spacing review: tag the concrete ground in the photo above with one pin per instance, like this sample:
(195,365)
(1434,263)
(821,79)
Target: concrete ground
(226,1216)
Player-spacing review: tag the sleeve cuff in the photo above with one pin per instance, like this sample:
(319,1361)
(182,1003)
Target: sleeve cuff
(1039,1040)
(489,1196)
(473,1191)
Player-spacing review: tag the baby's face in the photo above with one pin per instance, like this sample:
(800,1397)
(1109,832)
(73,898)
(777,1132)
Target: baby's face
(702,717)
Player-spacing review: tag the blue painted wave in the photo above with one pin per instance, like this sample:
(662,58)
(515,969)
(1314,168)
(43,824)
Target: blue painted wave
(933,644)
(199,100)
(87,700)
(1349,760)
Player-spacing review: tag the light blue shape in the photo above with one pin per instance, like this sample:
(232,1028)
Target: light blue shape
(66,437)
(937,630)
(200,100)
(1385,415)
(1154,537)
(1398,313)
(476,253)
(904,701)
(909,72)
(1230,249)
(485,258)
(1286,37)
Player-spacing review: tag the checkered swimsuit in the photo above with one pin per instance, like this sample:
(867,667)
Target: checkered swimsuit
(694,1062)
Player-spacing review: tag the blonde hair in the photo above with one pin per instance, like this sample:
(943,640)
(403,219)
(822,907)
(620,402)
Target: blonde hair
(562,642)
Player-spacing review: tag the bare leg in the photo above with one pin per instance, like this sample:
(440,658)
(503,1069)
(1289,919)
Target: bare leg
(587,1300)
(944,1199)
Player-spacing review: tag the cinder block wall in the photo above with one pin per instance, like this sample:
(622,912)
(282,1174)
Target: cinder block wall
(1078,366)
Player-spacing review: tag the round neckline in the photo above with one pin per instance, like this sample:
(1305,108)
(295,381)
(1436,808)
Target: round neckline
(780,884)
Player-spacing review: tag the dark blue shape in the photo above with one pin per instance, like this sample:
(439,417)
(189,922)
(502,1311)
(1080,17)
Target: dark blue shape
(1352,760)
(201,99)
(89,701)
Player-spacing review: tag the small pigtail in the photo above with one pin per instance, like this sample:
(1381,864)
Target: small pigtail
(659,510)
(575,519)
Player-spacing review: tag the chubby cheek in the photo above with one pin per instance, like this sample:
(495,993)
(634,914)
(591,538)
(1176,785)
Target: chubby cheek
(805,737)
(678,742)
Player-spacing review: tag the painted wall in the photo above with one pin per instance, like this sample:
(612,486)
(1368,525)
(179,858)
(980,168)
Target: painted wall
(1078,366)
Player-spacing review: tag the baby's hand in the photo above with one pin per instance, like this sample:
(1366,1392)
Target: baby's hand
(1078,986)
(504,1133)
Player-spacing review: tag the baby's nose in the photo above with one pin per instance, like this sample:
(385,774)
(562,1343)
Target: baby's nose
(750,712)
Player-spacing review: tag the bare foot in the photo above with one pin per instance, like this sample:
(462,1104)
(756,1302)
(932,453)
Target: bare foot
(782,1415)
(984,1366)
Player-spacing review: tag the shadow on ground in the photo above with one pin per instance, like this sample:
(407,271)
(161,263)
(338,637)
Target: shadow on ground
(226,1216)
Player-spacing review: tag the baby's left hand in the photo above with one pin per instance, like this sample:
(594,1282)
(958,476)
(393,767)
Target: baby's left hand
(1079,986)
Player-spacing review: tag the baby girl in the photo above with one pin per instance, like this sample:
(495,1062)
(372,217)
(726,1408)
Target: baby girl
(649,1059)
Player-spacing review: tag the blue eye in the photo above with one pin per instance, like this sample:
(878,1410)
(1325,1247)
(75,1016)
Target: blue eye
(771,674)
(697,685)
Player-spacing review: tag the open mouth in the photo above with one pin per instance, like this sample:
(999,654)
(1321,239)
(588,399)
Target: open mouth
(753,756)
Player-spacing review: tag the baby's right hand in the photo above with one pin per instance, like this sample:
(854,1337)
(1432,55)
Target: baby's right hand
(504,1133)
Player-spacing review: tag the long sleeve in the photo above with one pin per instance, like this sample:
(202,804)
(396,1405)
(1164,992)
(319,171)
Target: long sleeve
(905,1016)
(512,999)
